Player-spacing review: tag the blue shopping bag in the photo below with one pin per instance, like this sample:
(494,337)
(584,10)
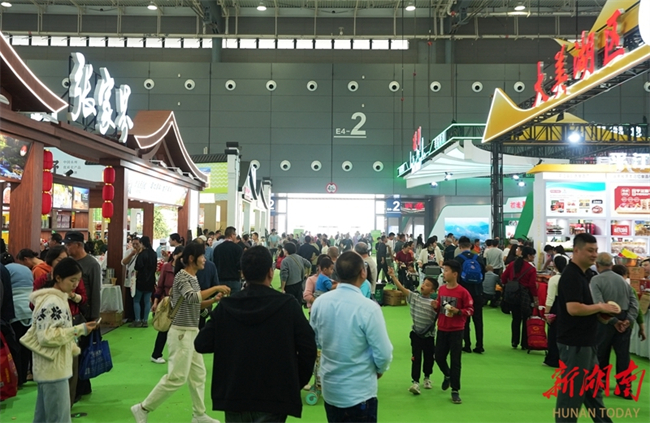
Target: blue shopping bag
(96,359)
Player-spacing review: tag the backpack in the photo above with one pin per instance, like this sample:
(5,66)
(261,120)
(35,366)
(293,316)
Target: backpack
(512,289)
(471,272)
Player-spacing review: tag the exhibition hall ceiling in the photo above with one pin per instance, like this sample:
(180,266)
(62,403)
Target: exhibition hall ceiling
(361,9)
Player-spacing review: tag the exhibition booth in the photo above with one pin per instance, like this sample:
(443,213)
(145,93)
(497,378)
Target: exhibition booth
(233,195)
(142,164)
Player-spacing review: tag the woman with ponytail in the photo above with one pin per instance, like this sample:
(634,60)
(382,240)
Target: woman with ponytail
(522,271)
(185,365)
(52,339)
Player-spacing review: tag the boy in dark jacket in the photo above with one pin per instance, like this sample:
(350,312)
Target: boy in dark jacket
(259,337)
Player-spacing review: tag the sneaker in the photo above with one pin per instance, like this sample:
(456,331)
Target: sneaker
(135,324)
(514,345)
(144,325)
(204,419)
(478,350)
(446,382)
(467,349)
(158,360)
(427,383)
(139,413)
(455,398)
(415,388)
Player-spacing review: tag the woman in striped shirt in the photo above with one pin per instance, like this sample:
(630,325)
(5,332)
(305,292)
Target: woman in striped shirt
(185,364)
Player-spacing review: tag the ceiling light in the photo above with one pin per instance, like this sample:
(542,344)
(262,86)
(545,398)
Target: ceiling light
(261,7)
(410,6)
(520,7)
(448,176)
(575,137)
(521,183)
(152,6)
(5,4)
(434,184)
(515,177)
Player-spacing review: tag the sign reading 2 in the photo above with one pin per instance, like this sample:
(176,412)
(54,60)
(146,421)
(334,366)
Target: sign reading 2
(357,131)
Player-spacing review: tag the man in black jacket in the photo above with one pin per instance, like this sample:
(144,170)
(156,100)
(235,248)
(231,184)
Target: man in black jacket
(260,338)
(227,257)
(476,291)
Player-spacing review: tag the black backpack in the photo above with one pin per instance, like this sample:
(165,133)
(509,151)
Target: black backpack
(512,290)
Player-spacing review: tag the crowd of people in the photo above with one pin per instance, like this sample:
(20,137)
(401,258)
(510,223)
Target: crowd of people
(50,305)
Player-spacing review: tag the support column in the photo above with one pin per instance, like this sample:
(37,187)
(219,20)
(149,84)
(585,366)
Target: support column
(496,186)
(147,220)
(234,198)
(184,215)
(117,235)
(25,218)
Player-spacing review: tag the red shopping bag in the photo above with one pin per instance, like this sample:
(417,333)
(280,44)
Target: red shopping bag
(9,379)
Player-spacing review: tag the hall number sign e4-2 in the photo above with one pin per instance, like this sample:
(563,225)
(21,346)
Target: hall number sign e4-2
(354,129)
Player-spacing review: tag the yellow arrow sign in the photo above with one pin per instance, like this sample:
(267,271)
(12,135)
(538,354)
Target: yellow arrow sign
(506,116)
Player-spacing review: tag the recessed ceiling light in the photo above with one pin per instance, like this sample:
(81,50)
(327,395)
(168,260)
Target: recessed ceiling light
(261,7)
(152,6)
(410,6)
(5,4)
(520,7)
(515,177)
(522,184)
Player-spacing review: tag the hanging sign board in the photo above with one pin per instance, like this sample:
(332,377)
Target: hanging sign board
(505,115)
(99,104)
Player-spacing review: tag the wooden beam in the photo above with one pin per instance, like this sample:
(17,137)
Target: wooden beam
(25,224)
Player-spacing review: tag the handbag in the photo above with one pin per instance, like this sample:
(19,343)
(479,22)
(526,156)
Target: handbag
(78,319)
(9,379)
(96,359)
(164,316)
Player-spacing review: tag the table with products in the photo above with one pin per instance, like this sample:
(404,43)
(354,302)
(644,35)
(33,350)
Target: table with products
(111,298)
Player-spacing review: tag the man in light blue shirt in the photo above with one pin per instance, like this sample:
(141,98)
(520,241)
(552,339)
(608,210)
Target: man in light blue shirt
(356,351)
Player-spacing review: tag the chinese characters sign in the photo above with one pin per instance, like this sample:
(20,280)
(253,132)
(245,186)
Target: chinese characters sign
(99,105)
(630,163)
(595,380)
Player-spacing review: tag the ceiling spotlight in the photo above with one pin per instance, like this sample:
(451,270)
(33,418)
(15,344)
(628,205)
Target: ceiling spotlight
(434,184)
(575,137)
(521,183)
(410,6)
(5,4)
(152,6)
(448,176)
(515,177)
(520,7)
(261,7)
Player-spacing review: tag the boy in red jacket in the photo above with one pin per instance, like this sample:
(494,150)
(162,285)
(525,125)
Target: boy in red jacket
(454,305)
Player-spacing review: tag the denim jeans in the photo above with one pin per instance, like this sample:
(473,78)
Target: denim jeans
(52,402)
(235,286)
(363,412)
(141,312)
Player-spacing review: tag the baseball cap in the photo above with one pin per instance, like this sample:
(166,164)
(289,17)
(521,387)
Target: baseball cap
(73,236)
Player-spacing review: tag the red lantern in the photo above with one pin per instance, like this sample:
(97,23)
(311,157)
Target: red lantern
(109,175)
(108,193)
(48,160)
(47,181)
(107,210)
(46,203)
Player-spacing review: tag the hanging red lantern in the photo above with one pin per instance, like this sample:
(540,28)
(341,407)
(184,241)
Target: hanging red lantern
(48,178)
(46,203)
(107,210)
(108,193)
(48,160)
(48,163)
(109,175)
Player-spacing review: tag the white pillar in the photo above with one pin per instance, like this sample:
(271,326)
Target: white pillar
(234,198)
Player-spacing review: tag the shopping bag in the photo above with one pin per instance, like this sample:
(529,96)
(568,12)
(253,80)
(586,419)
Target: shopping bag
(9,379)
(96,359)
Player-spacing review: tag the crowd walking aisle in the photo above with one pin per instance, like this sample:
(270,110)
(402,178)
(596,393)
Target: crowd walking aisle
(134,375)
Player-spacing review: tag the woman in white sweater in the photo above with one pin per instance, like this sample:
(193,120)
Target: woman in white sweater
(52,341)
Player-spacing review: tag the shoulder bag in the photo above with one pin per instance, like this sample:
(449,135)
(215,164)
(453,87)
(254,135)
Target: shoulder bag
(165,314)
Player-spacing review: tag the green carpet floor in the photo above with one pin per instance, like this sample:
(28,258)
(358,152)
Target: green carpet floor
(502,385)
